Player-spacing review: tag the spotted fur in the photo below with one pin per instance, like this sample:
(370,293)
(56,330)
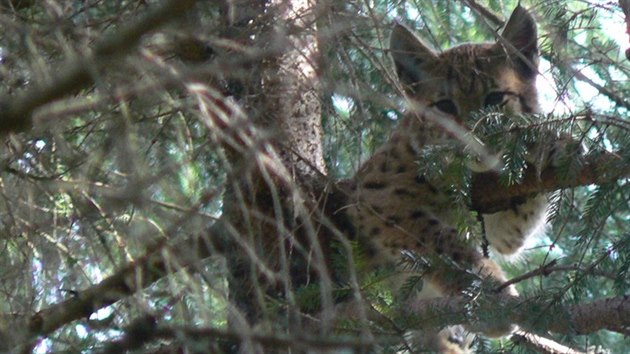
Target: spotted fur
(394,208)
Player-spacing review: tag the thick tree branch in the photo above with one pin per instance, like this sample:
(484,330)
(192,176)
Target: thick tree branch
(534,315)
(16,111)
(489,195)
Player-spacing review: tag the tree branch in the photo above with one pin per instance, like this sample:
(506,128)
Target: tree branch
(159,261)
(489,195)
(273,342)
(541,344)
(16,111)
(535,315)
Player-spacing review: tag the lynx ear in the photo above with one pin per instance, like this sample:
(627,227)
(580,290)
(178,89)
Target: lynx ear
(410,56)
(520,34)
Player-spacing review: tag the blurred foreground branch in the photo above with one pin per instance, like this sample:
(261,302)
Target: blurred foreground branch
(540,344)
(16,112)
(159,261)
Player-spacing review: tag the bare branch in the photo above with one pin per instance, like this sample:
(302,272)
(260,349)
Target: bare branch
(552,267)
(16,112)
(545,270)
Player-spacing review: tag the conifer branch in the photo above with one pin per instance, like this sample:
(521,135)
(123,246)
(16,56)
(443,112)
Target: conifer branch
(551,267)
(489,195)
(530,314)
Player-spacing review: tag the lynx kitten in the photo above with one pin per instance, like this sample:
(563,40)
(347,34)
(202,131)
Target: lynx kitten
(394,208)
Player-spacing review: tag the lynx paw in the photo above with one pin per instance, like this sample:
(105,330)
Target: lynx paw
(555,153)
(450,340)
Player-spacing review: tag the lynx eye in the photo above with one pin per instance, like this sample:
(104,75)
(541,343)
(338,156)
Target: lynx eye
(494,99)
(446,106)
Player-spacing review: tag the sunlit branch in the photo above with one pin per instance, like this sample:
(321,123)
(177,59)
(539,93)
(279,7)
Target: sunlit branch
(489,195)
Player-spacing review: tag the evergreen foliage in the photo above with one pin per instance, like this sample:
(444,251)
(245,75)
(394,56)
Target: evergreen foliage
(127,162)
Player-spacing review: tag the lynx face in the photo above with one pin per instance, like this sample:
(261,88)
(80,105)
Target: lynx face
(469,77)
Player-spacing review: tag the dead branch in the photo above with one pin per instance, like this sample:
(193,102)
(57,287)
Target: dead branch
(16,111)
(543,270)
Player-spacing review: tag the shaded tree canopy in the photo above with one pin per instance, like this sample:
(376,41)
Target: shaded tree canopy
(174,175)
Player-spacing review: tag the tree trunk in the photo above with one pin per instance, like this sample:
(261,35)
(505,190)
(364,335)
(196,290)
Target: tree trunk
(268,204)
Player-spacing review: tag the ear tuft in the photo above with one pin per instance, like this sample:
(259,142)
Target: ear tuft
(521,35)
(410,55)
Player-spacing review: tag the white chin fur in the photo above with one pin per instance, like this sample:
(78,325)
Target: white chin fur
(511,231)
